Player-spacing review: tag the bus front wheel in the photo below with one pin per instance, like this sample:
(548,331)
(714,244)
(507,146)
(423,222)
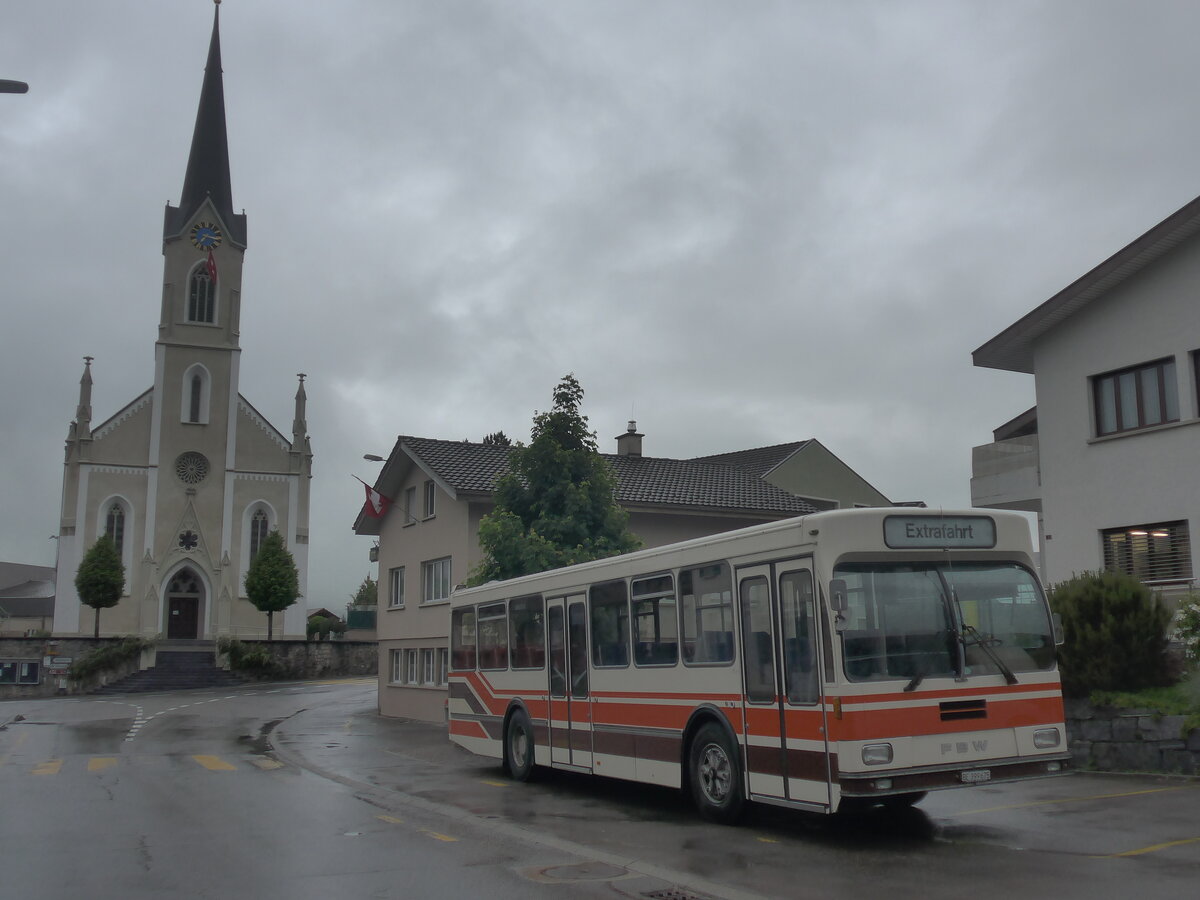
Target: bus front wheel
(518,746)
(715,775)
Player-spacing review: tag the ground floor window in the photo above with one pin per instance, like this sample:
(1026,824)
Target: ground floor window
(425,666)
(1151,553)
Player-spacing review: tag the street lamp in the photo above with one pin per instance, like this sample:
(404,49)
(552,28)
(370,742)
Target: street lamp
(371,457)
(13,87)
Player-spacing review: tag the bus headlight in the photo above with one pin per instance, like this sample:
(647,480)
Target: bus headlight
(877,754)
(1045,738)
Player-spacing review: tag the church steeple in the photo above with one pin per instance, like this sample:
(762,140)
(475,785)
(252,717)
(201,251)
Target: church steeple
(299,425)
(83,412)
(207,175)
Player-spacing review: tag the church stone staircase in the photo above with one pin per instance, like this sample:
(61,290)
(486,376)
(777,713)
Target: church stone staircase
(178,666)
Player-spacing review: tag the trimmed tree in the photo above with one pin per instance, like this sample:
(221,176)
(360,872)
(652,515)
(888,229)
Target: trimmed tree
(101,577)
(272,581)
(555,506)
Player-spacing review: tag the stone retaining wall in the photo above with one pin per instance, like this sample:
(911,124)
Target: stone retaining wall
(1123,740)
(35,649)
(320,659)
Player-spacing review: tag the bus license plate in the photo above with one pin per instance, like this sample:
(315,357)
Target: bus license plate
(976,776)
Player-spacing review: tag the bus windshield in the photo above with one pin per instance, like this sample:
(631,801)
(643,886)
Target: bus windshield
(922,620)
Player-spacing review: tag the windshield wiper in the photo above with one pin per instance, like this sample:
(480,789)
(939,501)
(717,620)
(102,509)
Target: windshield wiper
(918,677)
(985,644)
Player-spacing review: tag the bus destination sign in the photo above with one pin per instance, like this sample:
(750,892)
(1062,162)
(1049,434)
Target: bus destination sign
(951,532)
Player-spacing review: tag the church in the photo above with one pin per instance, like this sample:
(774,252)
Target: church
(188,478)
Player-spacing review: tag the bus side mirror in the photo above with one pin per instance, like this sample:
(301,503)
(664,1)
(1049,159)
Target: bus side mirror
(1056,619)
(837,595)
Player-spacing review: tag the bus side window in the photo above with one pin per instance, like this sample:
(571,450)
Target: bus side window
(493,637)
(462,640)
(655,623)
(527,633)
(610,623)
(706,613)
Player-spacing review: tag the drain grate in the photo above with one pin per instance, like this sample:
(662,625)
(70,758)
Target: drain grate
(673,894)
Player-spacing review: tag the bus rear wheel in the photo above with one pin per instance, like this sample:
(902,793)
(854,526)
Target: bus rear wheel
(518,746)
(715,775)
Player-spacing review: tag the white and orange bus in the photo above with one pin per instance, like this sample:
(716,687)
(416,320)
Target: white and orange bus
(828,661)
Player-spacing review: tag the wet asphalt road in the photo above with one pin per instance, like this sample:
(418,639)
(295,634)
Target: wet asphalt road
(303,791)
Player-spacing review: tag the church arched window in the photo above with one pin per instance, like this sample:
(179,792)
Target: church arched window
(259,526)
(193,403)
(202,295)
(114,527)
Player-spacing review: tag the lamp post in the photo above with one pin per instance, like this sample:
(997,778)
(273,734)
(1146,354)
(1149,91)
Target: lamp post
(13,87)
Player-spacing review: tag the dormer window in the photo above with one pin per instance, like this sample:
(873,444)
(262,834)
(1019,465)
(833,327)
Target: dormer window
(202,295)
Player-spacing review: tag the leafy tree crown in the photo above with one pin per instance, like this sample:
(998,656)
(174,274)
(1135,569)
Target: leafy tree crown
(100,579)
(272,581)
(556,505)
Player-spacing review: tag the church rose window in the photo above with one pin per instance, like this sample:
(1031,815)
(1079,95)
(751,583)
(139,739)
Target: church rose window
(191,467)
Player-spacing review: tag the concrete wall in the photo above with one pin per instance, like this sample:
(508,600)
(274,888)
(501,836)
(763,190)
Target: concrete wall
(303,660)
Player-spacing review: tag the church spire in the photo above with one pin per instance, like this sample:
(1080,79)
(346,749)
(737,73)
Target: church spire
(207,175)
(83,412)
(299,425)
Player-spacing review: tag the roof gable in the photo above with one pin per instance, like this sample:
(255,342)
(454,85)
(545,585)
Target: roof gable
(1012,349)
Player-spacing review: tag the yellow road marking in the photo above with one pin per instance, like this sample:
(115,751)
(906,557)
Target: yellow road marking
(493,783)
(436,836)
(767,840)
(214,763)
(267,764)
(391,819)
(967,812)
(49,767)
(1153,848)
(100,763)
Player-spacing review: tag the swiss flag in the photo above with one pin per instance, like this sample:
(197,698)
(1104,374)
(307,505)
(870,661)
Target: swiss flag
(377,504)
(212,266)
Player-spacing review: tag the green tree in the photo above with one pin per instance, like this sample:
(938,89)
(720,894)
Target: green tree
(101,577)
(367,593)
(496,439)
(1115,634)
(555,506)
(272,581)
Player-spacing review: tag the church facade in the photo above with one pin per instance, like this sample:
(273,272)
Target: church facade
(188,478)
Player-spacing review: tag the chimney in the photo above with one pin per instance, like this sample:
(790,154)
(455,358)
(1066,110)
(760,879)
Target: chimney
(630,443)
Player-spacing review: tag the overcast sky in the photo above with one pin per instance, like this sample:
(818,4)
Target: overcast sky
(740,223)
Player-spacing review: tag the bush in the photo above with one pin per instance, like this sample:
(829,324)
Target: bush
(256,661)
(1115,634)
(107,657)
(1187,627)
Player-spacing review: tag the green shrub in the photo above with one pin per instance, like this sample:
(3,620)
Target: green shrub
(1187,627)
(107,657)
(1115,634)
(257,661)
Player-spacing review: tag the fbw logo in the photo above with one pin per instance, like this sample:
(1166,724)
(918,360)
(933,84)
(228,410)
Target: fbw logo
(960,747)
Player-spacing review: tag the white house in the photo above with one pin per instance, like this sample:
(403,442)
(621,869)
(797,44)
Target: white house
(1108,457)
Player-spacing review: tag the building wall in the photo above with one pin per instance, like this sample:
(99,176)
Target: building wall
(1149,476)
(815,472)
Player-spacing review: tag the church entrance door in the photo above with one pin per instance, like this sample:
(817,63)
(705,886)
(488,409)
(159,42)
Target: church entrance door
(182,617)
(183,606)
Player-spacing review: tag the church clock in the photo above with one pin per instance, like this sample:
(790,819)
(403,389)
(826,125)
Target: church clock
(206,235)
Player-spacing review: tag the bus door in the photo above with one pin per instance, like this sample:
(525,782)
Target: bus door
(786,749)
(569,708)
